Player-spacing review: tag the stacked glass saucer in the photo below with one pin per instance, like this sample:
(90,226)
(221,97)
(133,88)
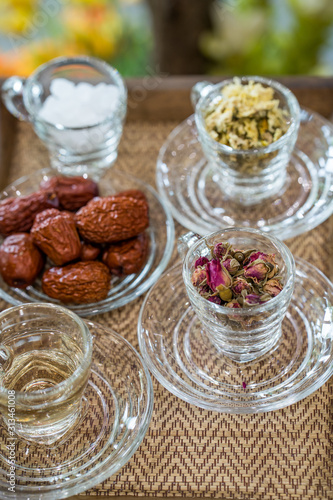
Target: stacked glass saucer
(200,193)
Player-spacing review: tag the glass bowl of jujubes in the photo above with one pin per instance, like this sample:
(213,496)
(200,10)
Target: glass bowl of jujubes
(90,246)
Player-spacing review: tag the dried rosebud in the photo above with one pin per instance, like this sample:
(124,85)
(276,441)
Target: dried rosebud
(253,299)
(273,287)
(205,291)
(241,284)
(258,255)
(200,262)
(231,265)
(224,293)
(198,276)
(239,255)
(217,275)
(220,250)
(215,299)
(233,304)
(239,278)
(258,271)
(265,257)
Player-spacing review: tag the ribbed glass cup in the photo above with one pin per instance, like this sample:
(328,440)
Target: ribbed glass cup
(45,359)
(248,176)
(73,150)
(242,334)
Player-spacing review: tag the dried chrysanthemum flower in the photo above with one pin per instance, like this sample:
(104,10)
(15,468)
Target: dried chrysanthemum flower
(246,116)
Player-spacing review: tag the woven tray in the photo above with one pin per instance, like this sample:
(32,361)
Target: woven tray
(190,452)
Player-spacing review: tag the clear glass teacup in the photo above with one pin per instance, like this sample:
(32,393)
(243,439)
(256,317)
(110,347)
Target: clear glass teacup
(242,334)
(247,176)
(45,359)
(73,149)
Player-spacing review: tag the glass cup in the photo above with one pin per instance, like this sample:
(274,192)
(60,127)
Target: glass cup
(73,150)
(241,334)
(45,358)
(247,176)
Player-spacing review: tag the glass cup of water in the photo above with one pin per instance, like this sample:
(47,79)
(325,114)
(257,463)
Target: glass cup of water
(45,359)
(77,106)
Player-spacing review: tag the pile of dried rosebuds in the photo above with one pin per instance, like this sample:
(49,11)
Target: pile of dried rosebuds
(237,278)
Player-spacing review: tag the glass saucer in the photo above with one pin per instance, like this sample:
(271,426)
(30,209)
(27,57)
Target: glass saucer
(191,186)
(118,404)
(180,355)
(123,290)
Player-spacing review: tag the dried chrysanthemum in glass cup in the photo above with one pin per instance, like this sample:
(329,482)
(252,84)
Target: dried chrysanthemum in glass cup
(247,116)
(240,283)
(247,128)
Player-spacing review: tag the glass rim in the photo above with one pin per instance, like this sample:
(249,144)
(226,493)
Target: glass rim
(255,309)
(83,366)
(66,61)
(293,108)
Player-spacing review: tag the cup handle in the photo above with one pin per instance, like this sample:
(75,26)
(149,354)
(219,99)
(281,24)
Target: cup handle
(5,357)
(198,90)
(12,96)
(185,242)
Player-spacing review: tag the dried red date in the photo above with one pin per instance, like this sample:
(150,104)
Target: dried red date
(113,218)
(20,260)
(89,252)
(52,212)
(133,193)
(55,233)
(17,214)
(79,283)
(127,257)
(73,192)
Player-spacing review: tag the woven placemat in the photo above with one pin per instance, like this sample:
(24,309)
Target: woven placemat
(188,451)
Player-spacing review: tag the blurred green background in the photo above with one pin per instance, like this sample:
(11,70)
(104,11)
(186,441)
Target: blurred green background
(139,37)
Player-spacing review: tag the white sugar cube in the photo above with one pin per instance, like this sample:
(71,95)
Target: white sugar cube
(84,92)
(60,87)
(80,106)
